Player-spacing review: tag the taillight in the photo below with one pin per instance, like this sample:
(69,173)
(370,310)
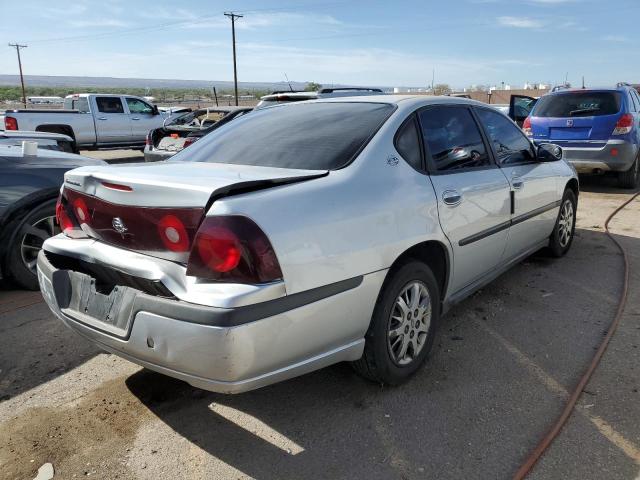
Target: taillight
(173,234)
(148,141)
(188,141)
(160,231)
(10,123)
(624,125)
(67,220)
(233,249)
(64,221)
(526,127)
(81,211)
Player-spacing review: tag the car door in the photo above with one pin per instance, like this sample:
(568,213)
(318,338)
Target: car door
(520,107)
(472,192)
(142,118)
(534,188)
(112,123)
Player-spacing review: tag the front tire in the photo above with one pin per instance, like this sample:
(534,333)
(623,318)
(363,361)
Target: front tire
(631,177)
(403,325)
(562,236)
(27,242)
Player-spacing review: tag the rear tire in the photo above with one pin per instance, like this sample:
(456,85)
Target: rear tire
(562,236)
(398,341)
(629,179)
(26,243)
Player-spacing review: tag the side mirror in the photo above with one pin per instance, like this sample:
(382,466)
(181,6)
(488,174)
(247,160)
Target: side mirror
(548,152)
(154,110)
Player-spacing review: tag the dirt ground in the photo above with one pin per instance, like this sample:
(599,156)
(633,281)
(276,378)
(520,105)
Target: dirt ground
(498,376)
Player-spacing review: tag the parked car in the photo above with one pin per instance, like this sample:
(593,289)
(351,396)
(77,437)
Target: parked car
(597,129)
(93,120)
(180,132)
(277,98)
(46,140)
(340,232)
(29,186)
(174,110)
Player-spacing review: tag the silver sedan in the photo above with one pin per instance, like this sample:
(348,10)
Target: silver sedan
(342,231)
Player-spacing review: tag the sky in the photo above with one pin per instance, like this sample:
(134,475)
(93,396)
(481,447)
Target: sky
(383,43)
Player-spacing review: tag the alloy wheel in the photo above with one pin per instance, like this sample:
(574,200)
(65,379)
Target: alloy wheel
(565,223)
(34,236)
(409,323)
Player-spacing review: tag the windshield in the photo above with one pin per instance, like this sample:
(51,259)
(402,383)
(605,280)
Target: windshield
(578,104)
(313,136)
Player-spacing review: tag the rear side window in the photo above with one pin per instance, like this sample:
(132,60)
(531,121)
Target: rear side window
(314,136)
(509,143)
(81,104)
(453,139)
(578,104)
(109,105)
(407,143)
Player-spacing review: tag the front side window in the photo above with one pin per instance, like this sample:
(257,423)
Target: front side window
(509,143)
(407,143)
(311,136)
(452,138)
(109,105)
(138,106)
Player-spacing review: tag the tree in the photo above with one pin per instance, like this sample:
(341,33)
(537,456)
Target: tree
(312,87)
(441,89)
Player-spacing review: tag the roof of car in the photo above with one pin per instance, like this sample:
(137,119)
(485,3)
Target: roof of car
(404,100)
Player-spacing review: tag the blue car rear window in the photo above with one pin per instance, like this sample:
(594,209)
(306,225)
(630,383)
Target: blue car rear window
(578,104)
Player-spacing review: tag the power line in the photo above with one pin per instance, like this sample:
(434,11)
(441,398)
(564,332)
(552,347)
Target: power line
(18,47)
(233,17)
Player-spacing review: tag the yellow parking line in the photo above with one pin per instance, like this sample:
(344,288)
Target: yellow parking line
(626,446)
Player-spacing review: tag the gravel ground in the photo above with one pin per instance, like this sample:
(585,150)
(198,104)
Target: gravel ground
(499,373)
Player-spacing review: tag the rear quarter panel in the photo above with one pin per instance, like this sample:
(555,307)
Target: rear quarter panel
(354,221)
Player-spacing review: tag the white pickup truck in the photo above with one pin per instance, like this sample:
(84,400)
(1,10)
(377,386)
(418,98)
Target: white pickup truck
(93,120)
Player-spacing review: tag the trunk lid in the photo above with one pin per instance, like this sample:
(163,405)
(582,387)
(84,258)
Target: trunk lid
(177,184)
(157,208)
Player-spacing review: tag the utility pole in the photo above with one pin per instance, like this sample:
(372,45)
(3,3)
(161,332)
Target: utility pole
(233,17)
(18,47)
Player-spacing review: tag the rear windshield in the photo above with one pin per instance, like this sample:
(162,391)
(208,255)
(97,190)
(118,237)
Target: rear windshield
(578,104)
(315,136)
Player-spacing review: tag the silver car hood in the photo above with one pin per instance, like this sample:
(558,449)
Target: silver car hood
(178,184)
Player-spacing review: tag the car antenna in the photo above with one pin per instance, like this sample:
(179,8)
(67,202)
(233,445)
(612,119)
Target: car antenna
(285,76)
(583,82)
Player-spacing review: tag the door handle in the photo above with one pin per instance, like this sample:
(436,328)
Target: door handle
(451,197)
(135,118)
(102,118)
(517,183)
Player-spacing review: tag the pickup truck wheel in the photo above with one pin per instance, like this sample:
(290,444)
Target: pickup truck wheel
(562,235)
(403,325)
(631,177)
(27,242)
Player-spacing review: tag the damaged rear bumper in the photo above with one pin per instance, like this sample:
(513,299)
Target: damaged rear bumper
(227,350)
